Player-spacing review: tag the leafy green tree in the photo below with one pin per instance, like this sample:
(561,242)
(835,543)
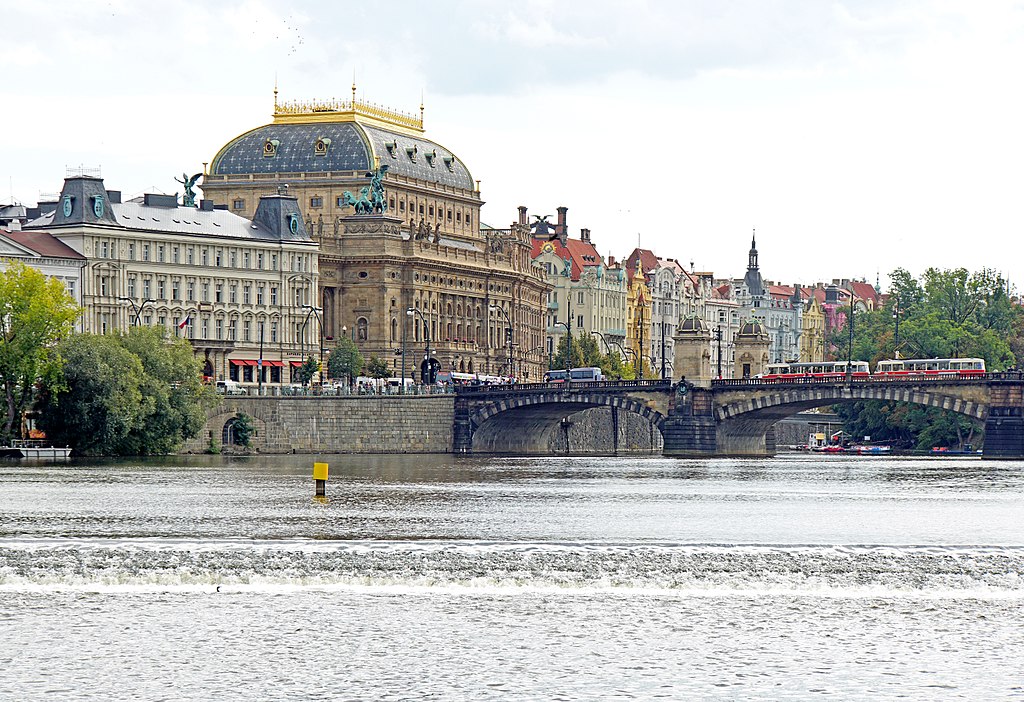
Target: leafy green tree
(308,370)
(568,354)
(243,429)
(947,313)
(377,368)
(138,393)
(345,361)
(98,402)
(35,313)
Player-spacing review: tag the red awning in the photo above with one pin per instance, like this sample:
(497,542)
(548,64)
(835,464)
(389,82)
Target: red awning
(236,362)
(276,364)
(296,364)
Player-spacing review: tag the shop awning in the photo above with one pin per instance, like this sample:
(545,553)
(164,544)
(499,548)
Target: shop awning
(272,364)
(296,364)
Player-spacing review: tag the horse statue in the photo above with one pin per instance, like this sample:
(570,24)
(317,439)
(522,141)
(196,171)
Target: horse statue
(362,205)
(377,198)
(189,198)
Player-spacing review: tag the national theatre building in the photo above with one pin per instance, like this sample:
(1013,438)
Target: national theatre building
(397,218)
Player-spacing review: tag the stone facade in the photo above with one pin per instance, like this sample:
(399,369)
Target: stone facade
(427,250)
(354,424)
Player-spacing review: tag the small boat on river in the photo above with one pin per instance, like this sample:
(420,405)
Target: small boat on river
(34,450)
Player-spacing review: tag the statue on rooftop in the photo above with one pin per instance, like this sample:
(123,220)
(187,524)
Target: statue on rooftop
(189,198)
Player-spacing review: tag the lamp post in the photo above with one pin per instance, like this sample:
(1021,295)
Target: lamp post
(259,363)
(405,323)
(662,349)
(568,346)
(316,313)
(640,333)
(137,309)
(509,335)
(718,338)
(896,316)
(849,349)
(426,372)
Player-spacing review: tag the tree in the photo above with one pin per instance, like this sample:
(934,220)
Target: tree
(243,429)
(378,368)
(308,370)
(345,360)
(948,313)
(138,393)
(35,313)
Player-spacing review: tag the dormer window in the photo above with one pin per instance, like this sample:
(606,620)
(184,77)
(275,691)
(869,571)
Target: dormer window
(448,161)
(430,156)
(270,148)
(392,147)
(412,151)
(321,146)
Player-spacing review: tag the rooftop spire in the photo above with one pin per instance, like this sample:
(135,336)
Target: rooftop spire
(752,259)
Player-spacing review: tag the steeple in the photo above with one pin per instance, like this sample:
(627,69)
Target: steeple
(755,285)
(752,258)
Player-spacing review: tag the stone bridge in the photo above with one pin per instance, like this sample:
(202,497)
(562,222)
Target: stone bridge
(732,417)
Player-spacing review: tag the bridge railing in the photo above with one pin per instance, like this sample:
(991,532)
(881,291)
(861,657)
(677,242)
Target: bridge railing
(569,386)
(1014,376)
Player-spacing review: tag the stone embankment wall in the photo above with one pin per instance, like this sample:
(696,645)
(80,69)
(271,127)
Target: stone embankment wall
(351,424)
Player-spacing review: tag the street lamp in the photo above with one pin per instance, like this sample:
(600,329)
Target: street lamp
(568,347)
(896,316)
(426,372)
(315,311)
(718,338)
(509,335)
(137,309)
(849,349)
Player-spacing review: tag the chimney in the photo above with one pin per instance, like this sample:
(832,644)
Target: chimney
(560,227)
(611,260)
(522,214)
(585,235)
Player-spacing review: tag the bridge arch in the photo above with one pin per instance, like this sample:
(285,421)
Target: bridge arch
(745,425)
(530,423)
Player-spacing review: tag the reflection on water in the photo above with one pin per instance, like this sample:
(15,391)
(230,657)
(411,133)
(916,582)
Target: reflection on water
(498,578)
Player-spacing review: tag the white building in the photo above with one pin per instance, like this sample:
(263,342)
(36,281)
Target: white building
(241,290)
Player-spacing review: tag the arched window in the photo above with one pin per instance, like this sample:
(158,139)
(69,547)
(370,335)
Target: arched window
(362,329)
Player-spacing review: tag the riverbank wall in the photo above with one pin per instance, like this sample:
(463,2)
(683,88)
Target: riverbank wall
(346,424)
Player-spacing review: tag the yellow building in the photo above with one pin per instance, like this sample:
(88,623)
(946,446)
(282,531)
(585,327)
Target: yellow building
(403,266)
(812,331)
(638,321)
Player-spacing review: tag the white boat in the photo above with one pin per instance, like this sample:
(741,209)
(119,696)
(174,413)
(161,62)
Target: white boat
(34,451)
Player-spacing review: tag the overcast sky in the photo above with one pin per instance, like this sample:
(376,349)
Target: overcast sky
(855,136)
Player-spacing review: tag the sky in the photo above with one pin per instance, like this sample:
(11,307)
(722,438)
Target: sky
(855,137)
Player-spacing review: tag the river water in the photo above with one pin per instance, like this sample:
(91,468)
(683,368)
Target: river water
(436,577)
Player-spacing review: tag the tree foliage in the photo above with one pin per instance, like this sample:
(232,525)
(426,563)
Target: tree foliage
(345,361)
(243,429)
(131,394)
(944,314)
(308,370)
(583,351)
(377,368)
(35,313)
